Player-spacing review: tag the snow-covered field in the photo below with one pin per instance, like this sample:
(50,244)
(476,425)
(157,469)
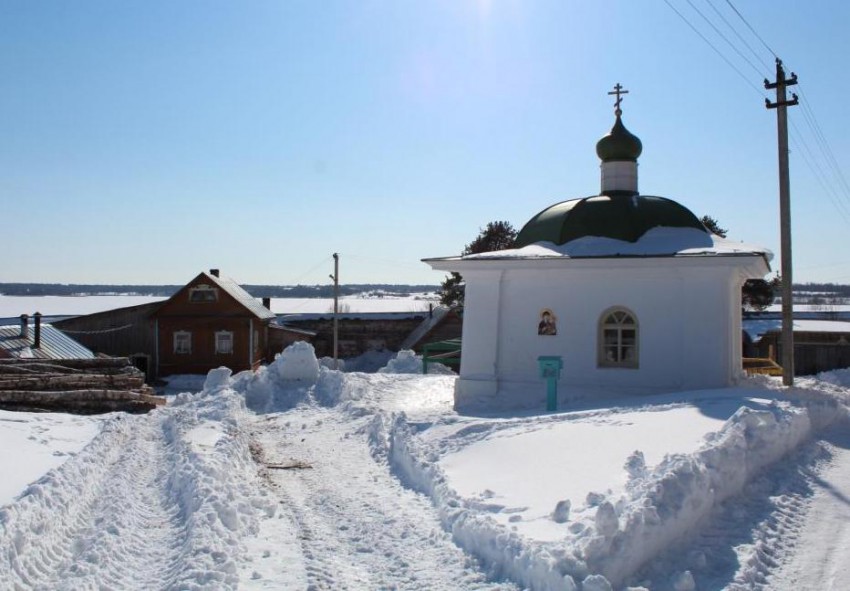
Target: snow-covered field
(301,477)
(14,306)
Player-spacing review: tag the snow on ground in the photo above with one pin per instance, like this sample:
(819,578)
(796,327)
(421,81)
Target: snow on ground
(13,306)
(298,476)
(35,443)
(499,468)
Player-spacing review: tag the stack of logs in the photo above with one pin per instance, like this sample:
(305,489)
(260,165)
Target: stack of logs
(86,386)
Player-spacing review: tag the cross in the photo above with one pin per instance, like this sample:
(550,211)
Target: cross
(618,90)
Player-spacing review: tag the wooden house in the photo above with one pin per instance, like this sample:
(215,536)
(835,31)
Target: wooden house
(210,322)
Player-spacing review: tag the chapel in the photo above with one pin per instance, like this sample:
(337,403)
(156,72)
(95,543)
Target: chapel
(631,293)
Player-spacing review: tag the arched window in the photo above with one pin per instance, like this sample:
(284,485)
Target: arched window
(618,338)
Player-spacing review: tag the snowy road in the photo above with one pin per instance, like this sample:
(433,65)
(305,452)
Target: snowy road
(822,557)
(359,528)
(789,530)
(352,482)
(148,504)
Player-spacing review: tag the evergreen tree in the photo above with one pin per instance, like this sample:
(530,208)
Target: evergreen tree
(499,235)
(757,294)
(713,226)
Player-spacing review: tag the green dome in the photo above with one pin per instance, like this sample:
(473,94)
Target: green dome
(619,144)
(617,217)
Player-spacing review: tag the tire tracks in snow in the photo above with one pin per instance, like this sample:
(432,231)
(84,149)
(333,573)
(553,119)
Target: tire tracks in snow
(746,539)
(359,528)
(103,520)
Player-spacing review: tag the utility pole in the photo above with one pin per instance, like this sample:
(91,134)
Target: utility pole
(781,105)
(335,278)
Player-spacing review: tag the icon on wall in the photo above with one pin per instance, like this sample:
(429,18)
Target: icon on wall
(548,324)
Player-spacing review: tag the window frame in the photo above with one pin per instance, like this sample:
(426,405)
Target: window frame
(218,348)
(604,328)
(203,294)
(182,336)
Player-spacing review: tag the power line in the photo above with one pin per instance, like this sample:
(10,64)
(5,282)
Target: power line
(835,185)
(812,163)
(726,39)
(739,36)
(741,16)
(717,51)
(824,145)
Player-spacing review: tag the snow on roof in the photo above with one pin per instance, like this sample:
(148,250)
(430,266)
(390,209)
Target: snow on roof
(757,328)
(659,241)
(240,295)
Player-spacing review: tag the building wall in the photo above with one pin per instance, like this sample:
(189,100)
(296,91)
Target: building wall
(203,320)
(814,352)
(358,335)
(688,333)
(247,349)
(120,333)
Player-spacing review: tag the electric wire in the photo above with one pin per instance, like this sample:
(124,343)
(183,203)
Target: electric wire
(716,50)
(739,36)
(726,39)
(741,16)
(814,166)
(809,113)
(823,164)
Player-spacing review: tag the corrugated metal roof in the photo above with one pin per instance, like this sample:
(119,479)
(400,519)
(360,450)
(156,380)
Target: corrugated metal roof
(54,344)
(243,297)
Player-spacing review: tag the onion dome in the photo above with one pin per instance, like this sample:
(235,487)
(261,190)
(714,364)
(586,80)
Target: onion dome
(615,217)
(619,144)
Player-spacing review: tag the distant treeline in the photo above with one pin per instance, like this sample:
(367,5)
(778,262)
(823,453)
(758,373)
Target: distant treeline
(258,291)
(824,288)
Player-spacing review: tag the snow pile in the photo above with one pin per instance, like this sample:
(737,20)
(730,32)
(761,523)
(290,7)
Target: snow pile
(837,377)
(657,241)
(407,361)
(621,532)
(147,504)
(179,383)
(294,377)
(298,363)
(369,362)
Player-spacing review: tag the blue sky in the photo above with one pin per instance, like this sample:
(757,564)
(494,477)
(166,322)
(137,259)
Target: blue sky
(142,142)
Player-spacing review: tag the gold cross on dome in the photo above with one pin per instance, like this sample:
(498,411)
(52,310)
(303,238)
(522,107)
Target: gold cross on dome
(618,90)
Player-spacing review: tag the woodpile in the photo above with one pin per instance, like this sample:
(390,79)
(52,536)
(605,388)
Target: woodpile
(87,386)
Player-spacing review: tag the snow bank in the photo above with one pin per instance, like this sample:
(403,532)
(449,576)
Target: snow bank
(605,546)
(409,362)
(147,504)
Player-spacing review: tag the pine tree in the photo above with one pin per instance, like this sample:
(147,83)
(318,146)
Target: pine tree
(713,226)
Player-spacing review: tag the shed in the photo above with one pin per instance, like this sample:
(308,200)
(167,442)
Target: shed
(38,341)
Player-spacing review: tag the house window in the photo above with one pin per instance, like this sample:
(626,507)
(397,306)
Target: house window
(203,293)
(618,338)
(224,342)
(183,342)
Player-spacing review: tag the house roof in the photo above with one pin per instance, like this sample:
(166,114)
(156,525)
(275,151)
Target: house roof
(54,344)
(240,295)
(227,285)
(757,328)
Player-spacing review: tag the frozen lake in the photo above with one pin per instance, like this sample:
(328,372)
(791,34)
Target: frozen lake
(14,306)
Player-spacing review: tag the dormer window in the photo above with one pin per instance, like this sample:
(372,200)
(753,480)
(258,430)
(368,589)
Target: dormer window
(203,293)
